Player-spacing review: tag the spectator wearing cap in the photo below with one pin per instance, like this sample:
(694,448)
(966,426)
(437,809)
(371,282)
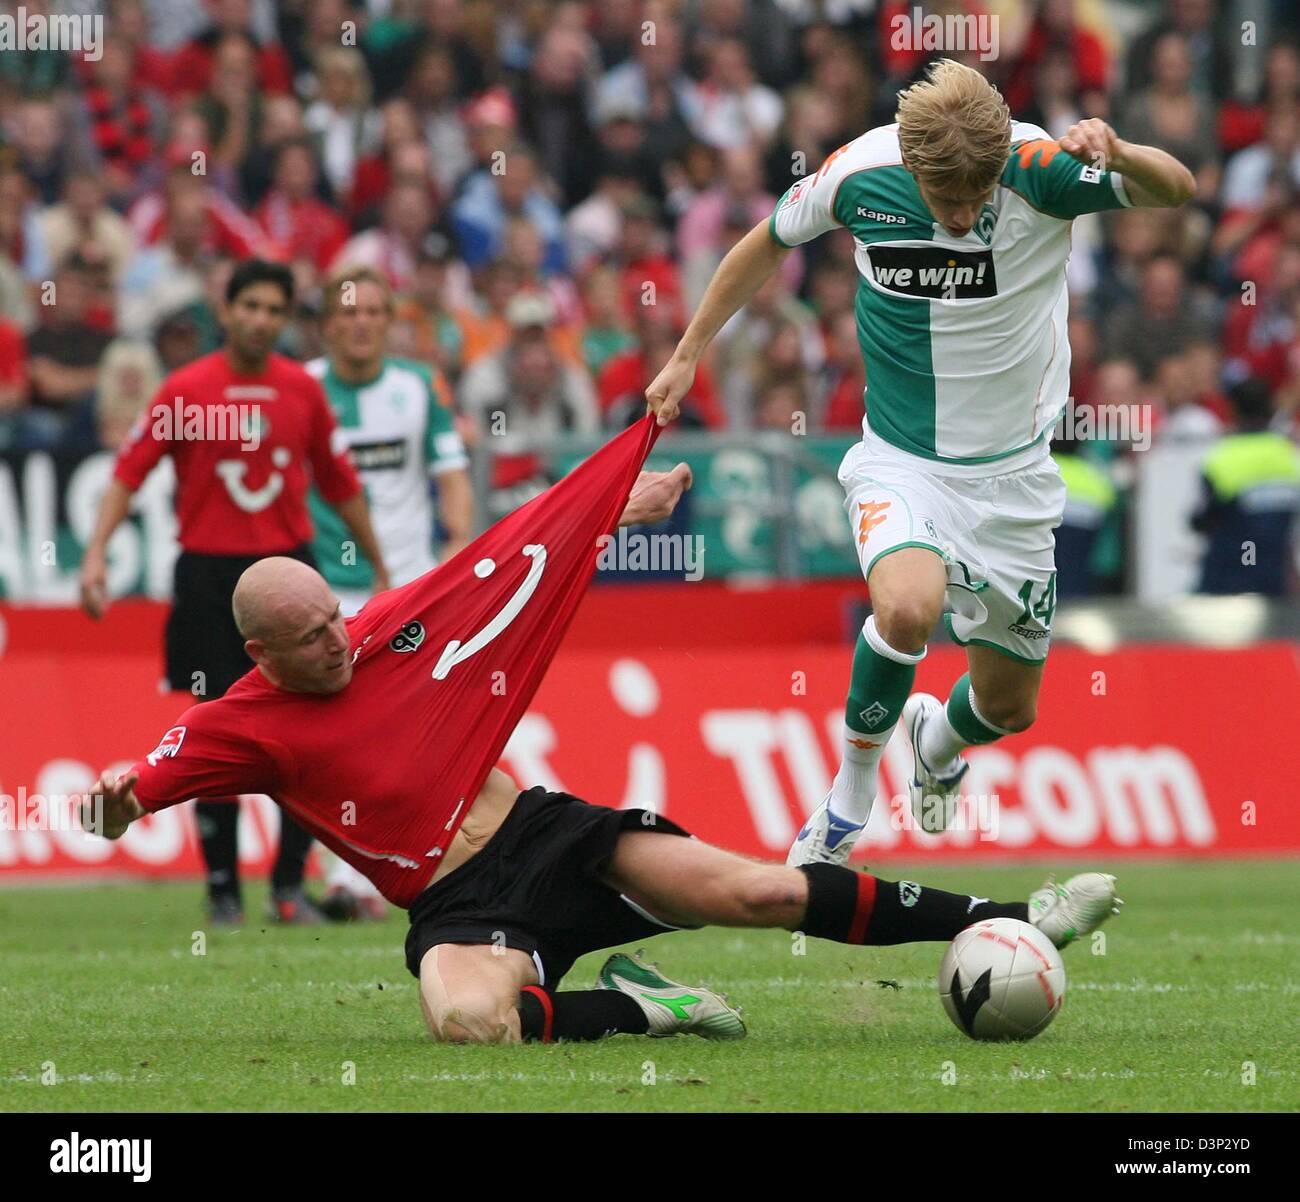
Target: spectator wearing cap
(83,215)
(292,215)
(535,393)
(491,123)
(341,118)
(1250,493)
(491,199)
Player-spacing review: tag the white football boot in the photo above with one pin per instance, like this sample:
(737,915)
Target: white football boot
(823,839)
(934,797)
(1067,912)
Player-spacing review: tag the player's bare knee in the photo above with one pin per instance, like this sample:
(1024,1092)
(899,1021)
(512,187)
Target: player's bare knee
(1012,714)
(905,623)
(471,1018)
(769,896)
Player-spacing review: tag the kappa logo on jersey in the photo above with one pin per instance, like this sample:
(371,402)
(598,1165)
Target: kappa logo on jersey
(887,218)
(379,456)
(408,638)
(933,272)
(168,747)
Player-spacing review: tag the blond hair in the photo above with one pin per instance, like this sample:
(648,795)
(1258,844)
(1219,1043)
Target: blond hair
(332,289)
(954,129)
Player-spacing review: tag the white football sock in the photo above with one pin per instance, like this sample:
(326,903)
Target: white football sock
(940,744)
(854,790)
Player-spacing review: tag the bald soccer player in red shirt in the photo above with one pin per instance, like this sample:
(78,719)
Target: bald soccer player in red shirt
(344,721)
(247,431)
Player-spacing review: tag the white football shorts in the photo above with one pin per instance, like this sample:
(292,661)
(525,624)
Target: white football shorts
(994,534)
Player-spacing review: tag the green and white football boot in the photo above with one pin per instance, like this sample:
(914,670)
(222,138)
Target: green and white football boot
(1067,912)
(672,1008)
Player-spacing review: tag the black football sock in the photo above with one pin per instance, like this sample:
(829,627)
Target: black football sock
(218,823)
(588,1014)
(291,863)
(855,907)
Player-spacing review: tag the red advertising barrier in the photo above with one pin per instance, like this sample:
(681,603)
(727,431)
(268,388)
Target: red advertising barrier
(1158,750)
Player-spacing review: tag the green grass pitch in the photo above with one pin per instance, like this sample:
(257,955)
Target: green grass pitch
(1194,998)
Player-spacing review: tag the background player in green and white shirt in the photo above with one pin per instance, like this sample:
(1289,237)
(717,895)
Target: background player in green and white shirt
(961,219)
(402,434)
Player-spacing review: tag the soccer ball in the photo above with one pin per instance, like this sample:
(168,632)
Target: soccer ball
(1001,979)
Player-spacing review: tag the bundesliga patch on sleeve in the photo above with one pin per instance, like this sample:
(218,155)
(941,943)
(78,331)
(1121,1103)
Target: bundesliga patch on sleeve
(168,747)
(933,272)
(1090,175)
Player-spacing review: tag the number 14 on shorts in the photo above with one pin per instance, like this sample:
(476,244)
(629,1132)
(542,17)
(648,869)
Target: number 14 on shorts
(1042,609)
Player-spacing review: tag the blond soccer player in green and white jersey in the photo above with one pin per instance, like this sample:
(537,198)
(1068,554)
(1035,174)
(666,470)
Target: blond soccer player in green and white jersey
(402,435)
(961,219)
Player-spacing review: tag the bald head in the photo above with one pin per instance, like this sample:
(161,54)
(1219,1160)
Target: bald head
(272,595)
(292,626)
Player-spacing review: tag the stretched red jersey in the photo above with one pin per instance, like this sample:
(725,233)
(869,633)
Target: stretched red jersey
(245,450)
(384,771)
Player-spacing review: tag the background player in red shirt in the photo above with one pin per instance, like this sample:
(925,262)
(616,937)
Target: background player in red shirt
(247,431)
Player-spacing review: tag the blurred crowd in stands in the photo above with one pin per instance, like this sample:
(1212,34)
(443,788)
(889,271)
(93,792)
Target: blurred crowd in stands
(549,186)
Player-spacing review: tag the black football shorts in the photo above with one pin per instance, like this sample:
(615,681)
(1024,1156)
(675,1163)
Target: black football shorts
(534,887)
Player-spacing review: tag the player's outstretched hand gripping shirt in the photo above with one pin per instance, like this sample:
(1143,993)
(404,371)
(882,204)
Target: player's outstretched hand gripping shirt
(383,771)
